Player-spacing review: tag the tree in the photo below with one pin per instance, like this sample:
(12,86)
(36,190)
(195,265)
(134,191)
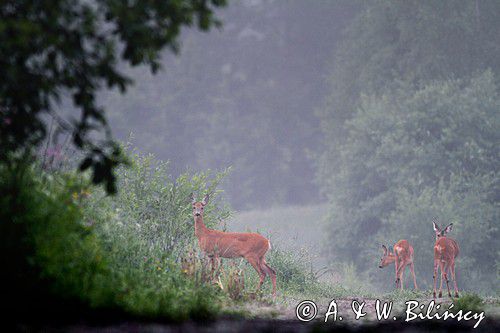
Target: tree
(51,50)
(409,149)
(413,41)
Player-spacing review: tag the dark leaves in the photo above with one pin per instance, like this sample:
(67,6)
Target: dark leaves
(51,46)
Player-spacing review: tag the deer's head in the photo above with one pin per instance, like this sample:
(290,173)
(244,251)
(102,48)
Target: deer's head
(198,205)
(388,256)
(441,232)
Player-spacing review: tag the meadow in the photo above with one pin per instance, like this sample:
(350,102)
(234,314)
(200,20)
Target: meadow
(135,253)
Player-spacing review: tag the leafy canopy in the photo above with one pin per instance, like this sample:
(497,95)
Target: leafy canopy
(50,50)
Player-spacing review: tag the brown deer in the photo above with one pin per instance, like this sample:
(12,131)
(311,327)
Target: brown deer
(401,256)
(445,252)
(218,244)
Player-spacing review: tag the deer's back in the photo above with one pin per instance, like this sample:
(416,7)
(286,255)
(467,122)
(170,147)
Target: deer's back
(446,249)
(234,244)
(403,249)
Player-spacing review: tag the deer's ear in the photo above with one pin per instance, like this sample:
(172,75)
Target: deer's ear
(448,228)
(205,200)
(436,227)
(191,198)
(385,249)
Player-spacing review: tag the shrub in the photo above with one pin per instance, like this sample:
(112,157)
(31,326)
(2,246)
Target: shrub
(48,255)
(146,230)
(469,302)
(67,246)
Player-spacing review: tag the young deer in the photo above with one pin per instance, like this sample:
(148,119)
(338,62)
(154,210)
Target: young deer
(445,252)
(401,256)
(218,244)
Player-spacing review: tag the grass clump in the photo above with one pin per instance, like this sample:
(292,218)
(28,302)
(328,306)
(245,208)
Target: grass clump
(469,302)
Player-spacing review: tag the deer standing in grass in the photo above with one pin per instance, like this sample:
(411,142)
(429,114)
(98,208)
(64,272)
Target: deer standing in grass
(218,244)
(445,252)
(401,256)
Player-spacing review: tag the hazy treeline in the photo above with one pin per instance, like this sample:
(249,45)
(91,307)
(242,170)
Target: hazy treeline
(244,96)
(411,129)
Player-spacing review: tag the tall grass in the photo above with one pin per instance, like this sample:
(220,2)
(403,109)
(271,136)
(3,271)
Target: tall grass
(146,229)
(70,248)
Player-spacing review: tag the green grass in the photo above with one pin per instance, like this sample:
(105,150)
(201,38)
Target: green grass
(469,302)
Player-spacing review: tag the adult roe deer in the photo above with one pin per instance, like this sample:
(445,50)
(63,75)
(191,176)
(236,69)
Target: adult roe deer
(402,256)
(445,252)
(218,244)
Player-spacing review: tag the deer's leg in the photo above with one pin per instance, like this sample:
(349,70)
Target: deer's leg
(214,261)
(454,278)
(396,265)
(399,273)
(446,268)
(212,267)
(435,277)
(412,270)
(255,262)
(441,267)
(271,272)
(216,267)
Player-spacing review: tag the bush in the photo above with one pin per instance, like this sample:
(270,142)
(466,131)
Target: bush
(146,229)
(469,302)
(293,268)
(67,246)
(48,256)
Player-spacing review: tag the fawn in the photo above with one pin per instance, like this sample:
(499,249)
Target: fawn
(445,252)
(401,256)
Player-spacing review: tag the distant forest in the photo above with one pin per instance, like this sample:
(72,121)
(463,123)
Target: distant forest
(246,96)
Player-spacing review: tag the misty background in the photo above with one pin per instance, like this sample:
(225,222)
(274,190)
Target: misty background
(243,96)
(386,112)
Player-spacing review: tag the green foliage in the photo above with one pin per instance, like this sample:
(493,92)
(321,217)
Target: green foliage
(474,216)
(46,253)
(293,268)
(411,129)
(71,248)
(469,302)
(145,229)
(50,50)
(412,155)
(154,207)
(412,41)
